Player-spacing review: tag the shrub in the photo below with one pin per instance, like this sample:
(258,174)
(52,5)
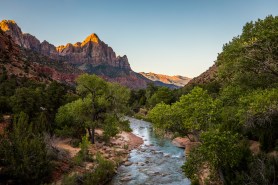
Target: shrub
(103,172)
(23,154)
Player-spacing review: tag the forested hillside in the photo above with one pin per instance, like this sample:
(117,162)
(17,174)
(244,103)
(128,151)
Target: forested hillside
(37,118)
(233,116)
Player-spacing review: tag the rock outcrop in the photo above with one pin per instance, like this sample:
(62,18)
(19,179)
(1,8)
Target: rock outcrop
(180,142)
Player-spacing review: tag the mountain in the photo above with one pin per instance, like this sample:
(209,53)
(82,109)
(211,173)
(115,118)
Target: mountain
(24,63)
(177,80)
(92,56)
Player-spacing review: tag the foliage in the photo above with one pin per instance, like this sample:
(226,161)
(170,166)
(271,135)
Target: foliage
(250,60)
(102,174)
(239,105)
(194,111)
(262,170)
(220,149)
(258,112)
(102,106)
(83,154)
(163,94)
(23,154)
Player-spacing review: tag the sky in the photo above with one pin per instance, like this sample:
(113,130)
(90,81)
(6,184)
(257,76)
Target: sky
(173,37)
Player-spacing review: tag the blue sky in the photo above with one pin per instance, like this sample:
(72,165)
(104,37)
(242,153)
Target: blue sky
(174,37)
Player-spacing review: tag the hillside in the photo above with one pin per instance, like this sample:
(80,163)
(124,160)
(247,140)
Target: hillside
(177,80)
(21,62)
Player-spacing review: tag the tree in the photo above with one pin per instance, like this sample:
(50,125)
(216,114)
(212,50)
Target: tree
(251,59)
(23,153)
(258,113)
(101,101)
(193,112)
(163,94)
(218,151)
(197,110)
(27,100)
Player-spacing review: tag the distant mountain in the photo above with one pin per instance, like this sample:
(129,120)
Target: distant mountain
(177,80)
(92,56)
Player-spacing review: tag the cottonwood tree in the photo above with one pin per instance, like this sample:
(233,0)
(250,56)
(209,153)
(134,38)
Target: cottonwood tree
(101,105)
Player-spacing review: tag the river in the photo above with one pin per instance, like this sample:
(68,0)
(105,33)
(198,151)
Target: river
(156,162)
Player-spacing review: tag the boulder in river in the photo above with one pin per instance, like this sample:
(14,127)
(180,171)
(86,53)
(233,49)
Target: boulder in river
(180,142)
(128,163)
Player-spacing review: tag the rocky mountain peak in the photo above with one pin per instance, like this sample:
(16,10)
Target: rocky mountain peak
(7,25)
(91,38)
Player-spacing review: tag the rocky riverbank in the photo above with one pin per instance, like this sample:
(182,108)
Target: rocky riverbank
(117,151)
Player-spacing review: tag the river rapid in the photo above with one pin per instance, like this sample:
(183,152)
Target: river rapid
(156,162)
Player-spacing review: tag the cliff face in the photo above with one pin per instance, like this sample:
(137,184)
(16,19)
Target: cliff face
(92,51)
(15,60)
(177,80)
(92,56)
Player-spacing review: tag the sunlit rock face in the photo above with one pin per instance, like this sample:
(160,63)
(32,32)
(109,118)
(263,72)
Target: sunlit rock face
(22,39)
(25,63)
(92,56)
(94,52)
(177,80)
(91,51)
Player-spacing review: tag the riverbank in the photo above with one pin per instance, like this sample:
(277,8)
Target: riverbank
(116,151)
(156,161)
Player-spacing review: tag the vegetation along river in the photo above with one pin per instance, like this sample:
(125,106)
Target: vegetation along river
(157,161)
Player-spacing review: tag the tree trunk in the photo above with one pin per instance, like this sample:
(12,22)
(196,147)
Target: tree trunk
(220,172)
(90,133)
(93,136)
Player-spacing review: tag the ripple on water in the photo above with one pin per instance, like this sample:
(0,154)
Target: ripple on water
(157,161)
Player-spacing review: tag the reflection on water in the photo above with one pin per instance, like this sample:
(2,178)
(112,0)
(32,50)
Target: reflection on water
(157,161)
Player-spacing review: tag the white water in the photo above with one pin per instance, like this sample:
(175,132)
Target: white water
(156,162)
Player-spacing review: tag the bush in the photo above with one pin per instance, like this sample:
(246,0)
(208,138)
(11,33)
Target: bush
(83,154)
(103,173)
(23,154)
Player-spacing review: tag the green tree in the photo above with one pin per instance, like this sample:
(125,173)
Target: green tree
(218,151)
(23,153)
(250,60)
(163,94)
(258,113)
(101,101)
(27,100)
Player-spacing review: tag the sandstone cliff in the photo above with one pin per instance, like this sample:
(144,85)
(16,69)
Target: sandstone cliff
(18,61)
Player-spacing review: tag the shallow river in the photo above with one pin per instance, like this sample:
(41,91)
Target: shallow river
(156,162)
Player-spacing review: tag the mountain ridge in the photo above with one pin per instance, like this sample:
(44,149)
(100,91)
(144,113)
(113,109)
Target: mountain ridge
(176,80)
(92,56)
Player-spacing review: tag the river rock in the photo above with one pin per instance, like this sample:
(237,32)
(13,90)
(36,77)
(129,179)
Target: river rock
(141,163)
(127,178)
(128,163)
(180,142)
